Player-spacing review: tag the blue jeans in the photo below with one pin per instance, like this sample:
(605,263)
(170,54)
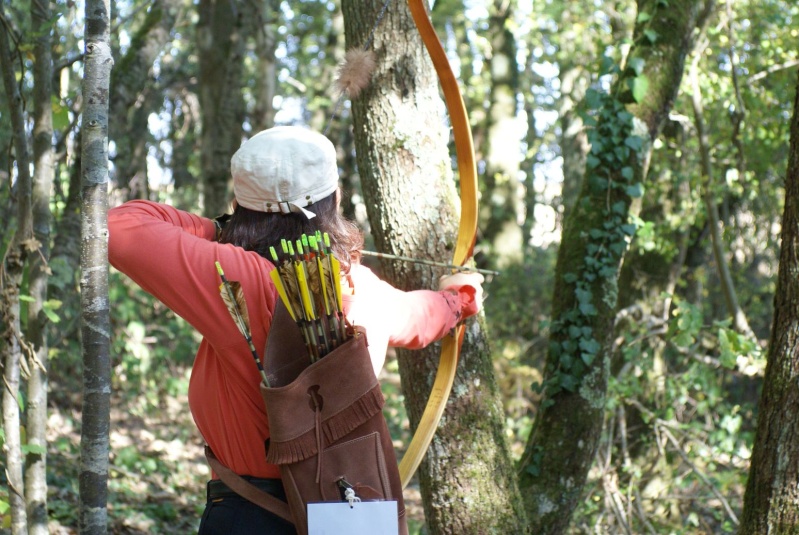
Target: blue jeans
(227,513)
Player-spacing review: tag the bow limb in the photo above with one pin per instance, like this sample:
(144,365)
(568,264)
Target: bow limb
(467,234)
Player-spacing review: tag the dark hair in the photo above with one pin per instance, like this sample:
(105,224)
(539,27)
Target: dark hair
(257,231)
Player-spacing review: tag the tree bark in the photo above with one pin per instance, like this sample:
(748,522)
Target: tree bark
(129,106)
(220,47)
(13,266)
(263,114)
(43,160)
(95,319)
(771,501)
(504,194)
(562,445)
(468,484)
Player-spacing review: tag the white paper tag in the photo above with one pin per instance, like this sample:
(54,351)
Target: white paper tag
(362,518)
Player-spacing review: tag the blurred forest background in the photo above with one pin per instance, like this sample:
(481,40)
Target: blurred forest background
(692,312)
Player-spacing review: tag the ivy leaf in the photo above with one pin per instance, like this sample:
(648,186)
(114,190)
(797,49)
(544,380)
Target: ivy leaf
(635,190)
(588,309)
(588,358)
(619,207)
(637,64)
(643,16)
(596,233)
(628,229)
(592,161)
(589,345)
(651,36)
(568,382)
(627,172)
(634,142)
(583,296)
(593,98)
(569,278)
(639,86)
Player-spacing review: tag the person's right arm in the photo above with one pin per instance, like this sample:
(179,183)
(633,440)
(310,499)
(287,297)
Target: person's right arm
(171,253)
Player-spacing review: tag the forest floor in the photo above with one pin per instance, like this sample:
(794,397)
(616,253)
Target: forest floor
(157,469)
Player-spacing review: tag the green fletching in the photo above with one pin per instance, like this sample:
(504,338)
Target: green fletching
(273,253)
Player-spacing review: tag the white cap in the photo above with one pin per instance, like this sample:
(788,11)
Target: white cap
(284,169)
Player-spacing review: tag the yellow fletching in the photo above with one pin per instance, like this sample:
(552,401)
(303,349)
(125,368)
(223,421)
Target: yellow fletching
(306,296)
(321,270)
(335,267)
(281,290)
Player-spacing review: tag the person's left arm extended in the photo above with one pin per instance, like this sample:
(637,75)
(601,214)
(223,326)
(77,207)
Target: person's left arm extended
(418,318)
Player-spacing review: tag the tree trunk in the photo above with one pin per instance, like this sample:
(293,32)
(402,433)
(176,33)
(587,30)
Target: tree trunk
(13,266)
(504,196)
(220,47)
(266,25)
(43,160)
(468,484)
(129,109)
(771,502)
(95,321)
(566,432)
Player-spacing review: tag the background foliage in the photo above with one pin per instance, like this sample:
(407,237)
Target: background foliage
(684,383)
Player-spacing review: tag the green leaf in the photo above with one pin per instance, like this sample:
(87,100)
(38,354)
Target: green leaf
(635,190)
(643,16)
(569,278)
(588,309)
(568,382)
(634,142)
(26,298)
(639,86)
(588,358)
(651,35)
(627,172)
(593,98)
(589,345)
(35,449)
(596,233)
(619,207)
(60,115)
(583,296)
(637,65)
(52,316)
(628,230)
(592,161)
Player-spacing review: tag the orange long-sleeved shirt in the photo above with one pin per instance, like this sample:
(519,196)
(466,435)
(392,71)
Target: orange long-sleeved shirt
(171,255)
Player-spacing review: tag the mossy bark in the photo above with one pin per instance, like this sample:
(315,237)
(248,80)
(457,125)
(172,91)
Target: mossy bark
(467,478)
(771,502)
(563,442)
